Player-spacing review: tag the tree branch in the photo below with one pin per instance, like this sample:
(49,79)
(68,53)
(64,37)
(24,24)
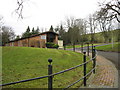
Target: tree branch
(19,9)
(110,7)
(117,18)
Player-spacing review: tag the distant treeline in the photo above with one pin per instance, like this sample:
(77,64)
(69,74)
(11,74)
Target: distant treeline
(113,35)
(100,37)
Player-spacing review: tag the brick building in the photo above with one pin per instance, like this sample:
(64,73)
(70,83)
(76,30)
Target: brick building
(38,40)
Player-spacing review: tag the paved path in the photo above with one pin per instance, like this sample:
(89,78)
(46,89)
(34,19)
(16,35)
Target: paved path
(106,75)
(114,58)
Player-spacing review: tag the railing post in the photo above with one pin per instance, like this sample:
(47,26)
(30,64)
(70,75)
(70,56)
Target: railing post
(49,73)
(93,56)
(84,60)
(64,47)
(88,49)
(82,47)
(74,47)
(92,49)
(94,59)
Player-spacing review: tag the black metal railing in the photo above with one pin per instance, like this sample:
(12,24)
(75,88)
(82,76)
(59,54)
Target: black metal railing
(50,74)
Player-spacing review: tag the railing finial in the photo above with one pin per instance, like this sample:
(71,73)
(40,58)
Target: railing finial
(50,60)
(84,52)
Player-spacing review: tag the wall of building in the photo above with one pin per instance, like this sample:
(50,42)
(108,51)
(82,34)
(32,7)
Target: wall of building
(16,43)
(36,41)
(43,40)
(23,42)
(56,40)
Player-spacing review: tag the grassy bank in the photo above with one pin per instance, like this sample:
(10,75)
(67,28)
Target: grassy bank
(19,63)
(114,48)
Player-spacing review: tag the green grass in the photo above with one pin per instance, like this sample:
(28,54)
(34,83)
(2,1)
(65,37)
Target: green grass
(78,46)
(116,47)
(19,63)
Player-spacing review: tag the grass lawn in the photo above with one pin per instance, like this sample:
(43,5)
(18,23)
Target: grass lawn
(19,63)
(116,47)
(78,46)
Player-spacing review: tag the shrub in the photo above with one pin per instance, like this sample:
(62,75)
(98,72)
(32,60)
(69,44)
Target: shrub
(55,46)
(51,45)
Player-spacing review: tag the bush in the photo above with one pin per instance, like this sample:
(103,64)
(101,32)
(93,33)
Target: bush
(55,46)
(51,45)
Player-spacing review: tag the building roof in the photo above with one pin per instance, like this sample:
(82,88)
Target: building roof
(34,35)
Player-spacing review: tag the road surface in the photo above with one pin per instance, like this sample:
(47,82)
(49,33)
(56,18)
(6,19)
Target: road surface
(112,56)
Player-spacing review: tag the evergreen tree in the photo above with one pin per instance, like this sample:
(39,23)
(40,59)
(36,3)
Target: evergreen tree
(51,28)
(28,30)
(33,31)
(37,31)
(27,33)
(17,37)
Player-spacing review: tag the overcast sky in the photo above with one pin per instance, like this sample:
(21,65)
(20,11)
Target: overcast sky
(44,13)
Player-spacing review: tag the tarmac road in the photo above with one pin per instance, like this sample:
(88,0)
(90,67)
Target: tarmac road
(112,56)
(85,48)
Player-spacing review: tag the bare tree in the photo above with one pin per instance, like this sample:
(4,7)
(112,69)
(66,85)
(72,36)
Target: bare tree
(105,27)
(7,34)
(1,23)
(70,22)
(110,10)
(92,25)
(90,22)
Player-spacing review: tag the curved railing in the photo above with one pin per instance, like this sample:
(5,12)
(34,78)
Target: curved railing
(50,76)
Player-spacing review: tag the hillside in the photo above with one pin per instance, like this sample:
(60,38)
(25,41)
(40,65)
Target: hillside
(100,39)
(19,63)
